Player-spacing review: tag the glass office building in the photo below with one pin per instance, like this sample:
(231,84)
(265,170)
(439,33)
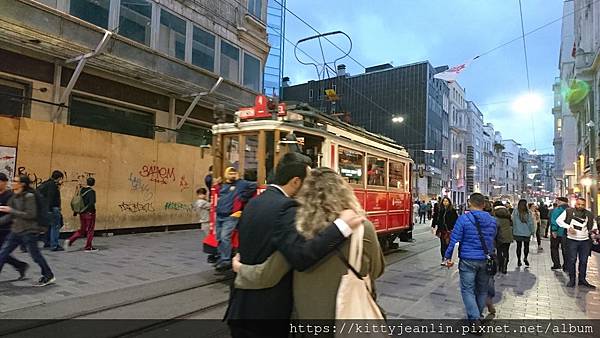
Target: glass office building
(276,35)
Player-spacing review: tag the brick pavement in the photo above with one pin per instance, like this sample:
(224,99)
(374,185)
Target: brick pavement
(122,261)
(419,287)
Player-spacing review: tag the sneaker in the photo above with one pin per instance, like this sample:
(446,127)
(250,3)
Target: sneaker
(58,248)
(92,249)
(519,263)
(540,249)
(45,281)
(223,267)
(526,262)
(585,283)
(22,271)
(67,244)
(571,284)
(443,262)
(556,267)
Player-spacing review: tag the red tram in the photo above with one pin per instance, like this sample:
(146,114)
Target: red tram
(375,166)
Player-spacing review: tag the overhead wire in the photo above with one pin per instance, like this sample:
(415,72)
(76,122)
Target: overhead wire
(527,71)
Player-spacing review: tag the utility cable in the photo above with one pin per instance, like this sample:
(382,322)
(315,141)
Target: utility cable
(527,72)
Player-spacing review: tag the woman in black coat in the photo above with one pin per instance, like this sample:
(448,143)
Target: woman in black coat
(443,222)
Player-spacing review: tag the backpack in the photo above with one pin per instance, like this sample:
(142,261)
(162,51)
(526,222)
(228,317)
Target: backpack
(42,211)
(77,203)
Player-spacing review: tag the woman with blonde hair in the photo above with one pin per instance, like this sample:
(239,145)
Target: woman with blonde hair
(322,197)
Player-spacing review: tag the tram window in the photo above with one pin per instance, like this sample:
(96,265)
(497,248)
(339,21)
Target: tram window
(250,156)
(396,175)
(351,165)
(376,171)
(231,152)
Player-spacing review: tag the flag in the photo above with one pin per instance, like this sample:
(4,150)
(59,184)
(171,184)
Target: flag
(451,74)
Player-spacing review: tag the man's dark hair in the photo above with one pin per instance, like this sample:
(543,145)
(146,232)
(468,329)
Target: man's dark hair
(563,199)
(3,177)
(90,181)
(477,200)
(57,174)
(581,199)
(26,181)
(291,165)
(201,191)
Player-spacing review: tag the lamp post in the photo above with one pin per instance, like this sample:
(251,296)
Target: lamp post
(593,187)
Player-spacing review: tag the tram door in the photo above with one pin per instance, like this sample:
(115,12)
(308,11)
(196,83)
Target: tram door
(251,154)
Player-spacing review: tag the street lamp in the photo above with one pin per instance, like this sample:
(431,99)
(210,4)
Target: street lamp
(473,167)
(455,156)
(398,119)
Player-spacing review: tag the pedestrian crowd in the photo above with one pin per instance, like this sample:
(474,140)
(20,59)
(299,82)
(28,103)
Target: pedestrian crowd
(29,215)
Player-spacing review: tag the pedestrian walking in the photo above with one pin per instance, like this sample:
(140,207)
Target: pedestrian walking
(208,180)
(545,217)
(444,218)
(422,212)
(558,236)
(202,208)
(269,224)
(579,222)
(523,229)
(324,195)
(504,235)
(537,220)
(87,217)
(50,190)
(473,230)
(416,206)
(22,211)
(5,195)
(232,194)
(429,210)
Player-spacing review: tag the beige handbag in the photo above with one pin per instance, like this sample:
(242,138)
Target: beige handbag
(354,296)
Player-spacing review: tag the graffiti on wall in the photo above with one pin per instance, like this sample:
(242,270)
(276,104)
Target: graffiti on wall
(178,206)
(183,183)
(8,157)
(139,186)
(158,174)
(70,177)
(136,207)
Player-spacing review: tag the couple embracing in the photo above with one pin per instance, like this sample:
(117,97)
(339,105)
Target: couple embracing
(293,252)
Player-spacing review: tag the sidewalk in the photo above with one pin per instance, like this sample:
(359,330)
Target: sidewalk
(121,262)
(419,287)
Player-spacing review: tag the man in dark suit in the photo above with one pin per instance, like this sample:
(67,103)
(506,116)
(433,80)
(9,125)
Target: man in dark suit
(267,225)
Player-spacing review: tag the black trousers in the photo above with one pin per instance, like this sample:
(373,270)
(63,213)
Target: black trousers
(555,243)
(538,234)
(443,245)
(521,244)
(503,256)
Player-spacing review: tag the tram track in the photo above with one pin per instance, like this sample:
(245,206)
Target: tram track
(154,315)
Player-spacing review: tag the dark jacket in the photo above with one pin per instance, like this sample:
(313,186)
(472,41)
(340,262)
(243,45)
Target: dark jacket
(544,212)
(232,197)
(466,233)
(49,189)
(504,225)
(444,219)
(24,214)
(89,199)
(4,198)
(269,224)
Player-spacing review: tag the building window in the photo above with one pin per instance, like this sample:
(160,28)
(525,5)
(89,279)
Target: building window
(203,49)
(92,11)
(310,95)
(102,116)
(251,72)
(350,163)
(230,62)
(376,171)
(11,98)
(194,135)
(255,8)
(250,157)
(135,19)
(172,35)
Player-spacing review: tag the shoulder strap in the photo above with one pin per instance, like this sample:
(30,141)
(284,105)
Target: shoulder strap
(476,222)
(355,253)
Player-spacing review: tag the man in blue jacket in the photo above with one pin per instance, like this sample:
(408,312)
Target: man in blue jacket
(558,233)
(472,267)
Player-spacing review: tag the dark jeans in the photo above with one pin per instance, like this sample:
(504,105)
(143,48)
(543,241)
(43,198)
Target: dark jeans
(474,283)
(421,217)
(554,244)
(538,234)
(503,256)
(17,264)
(581,250)
(56,219)
(444,241)
(30,241)
(88,223)
(524,244)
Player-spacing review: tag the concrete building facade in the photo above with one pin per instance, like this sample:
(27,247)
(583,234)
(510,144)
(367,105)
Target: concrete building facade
(458,146)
